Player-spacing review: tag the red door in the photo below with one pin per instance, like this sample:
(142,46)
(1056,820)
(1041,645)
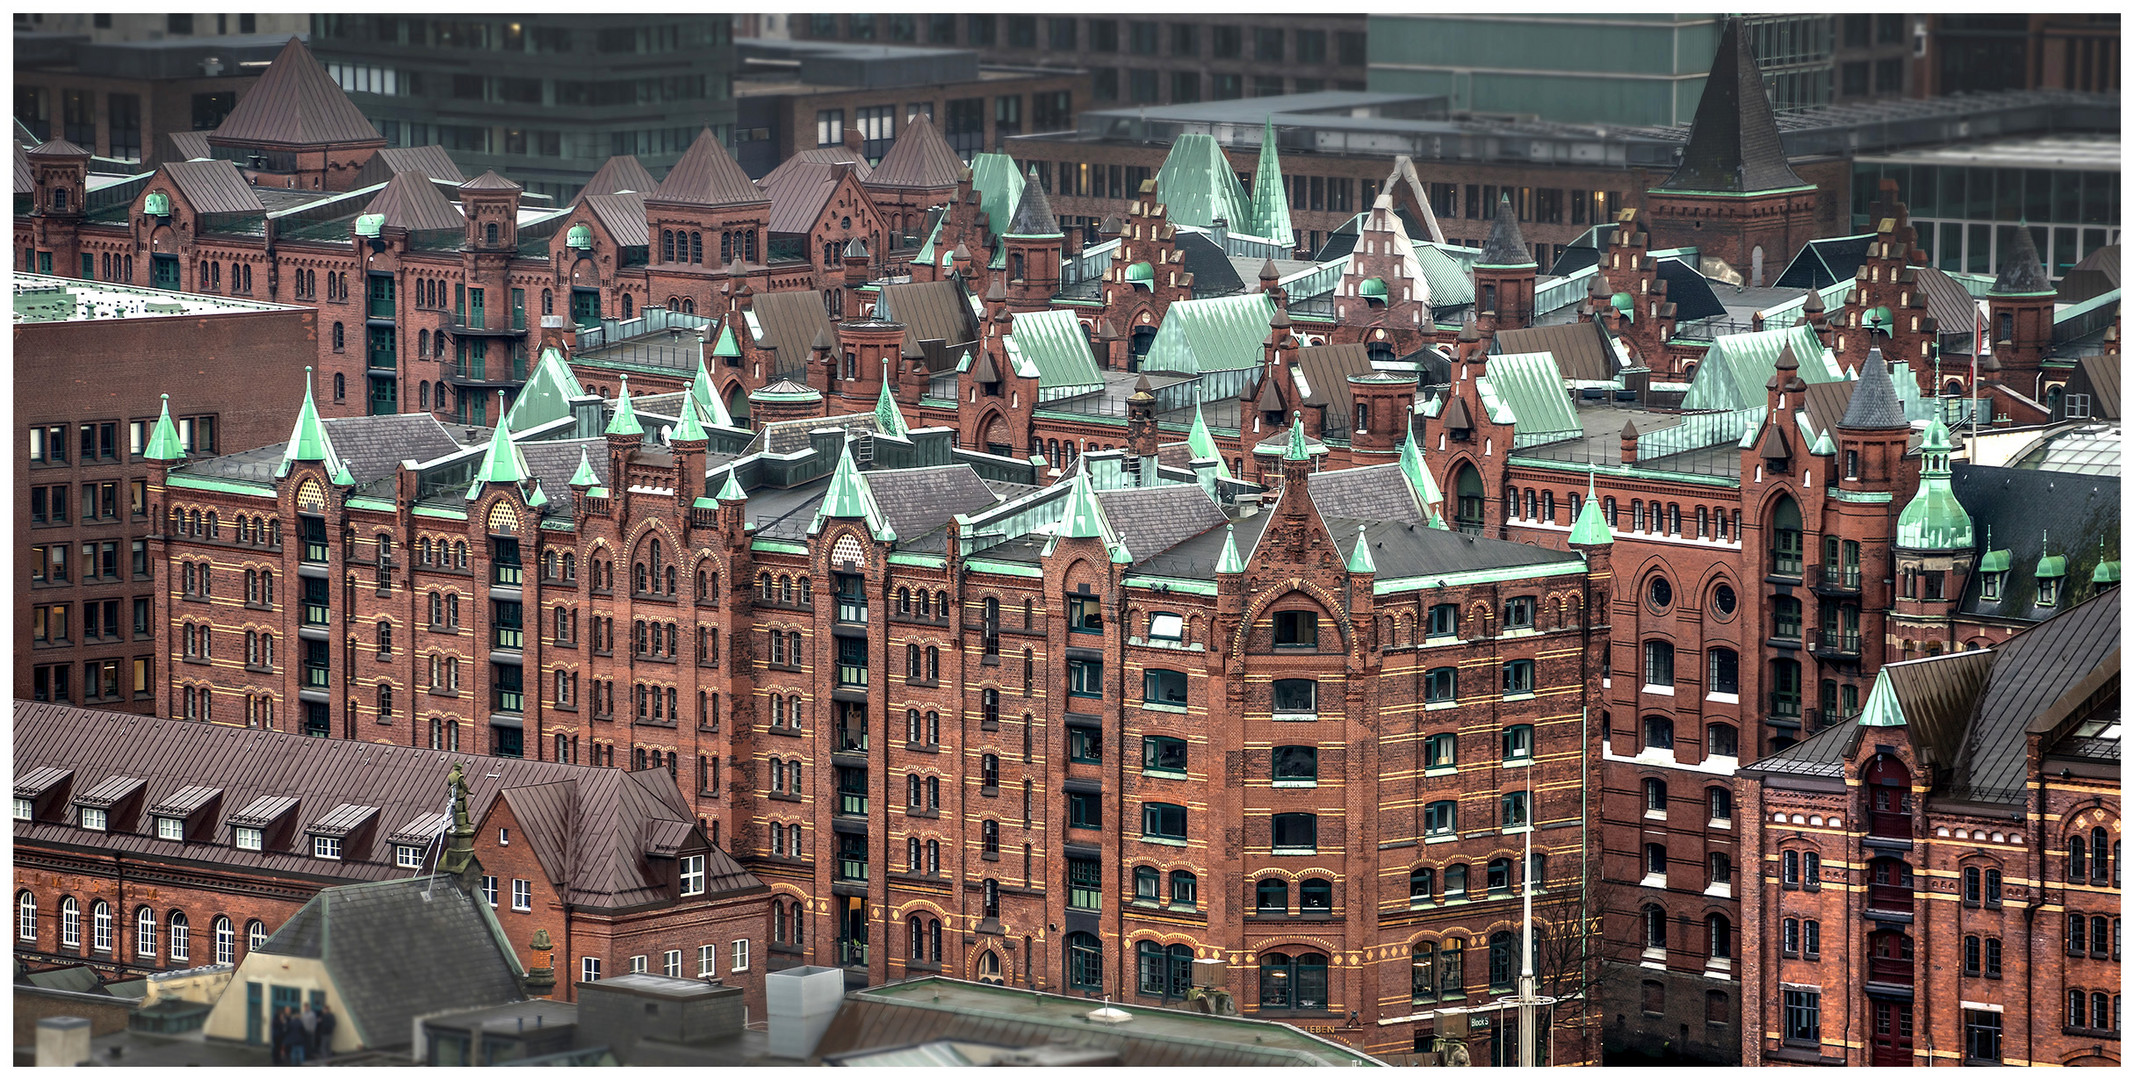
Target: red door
(1892,1045)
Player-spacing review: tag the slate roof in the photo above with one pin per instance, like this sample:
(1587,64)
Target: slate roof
(623,215)
(707,175)
(1505,246)
(2016,510)
(1874,405)
(798,191)
(1583,351)
(1213,272)
(213,187)
(623,172)
(295,103)
(791,321)
(1326,371)
(917,501)
(919,158)
(411,201)
(1033,214)
(553,461)
(1368,491)
(373,446)
(1733,139)
(1823,263)
(2021,272)
(1405,549)
(396,950)
(2030,672)
(931,311)
(1823,755)
(1152,520)
(432,161)
(789,436)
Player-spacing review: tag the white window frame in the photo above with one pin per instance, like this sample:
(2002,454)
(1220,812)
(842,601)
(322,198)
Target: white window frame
(100,927)
(638,964)
(247,838)
(95,820)
(589,969)
(255,935)
(326,847)
(145,929)
(26,916)
(170,828)
(70,923)
(25,809)
(740,956)
(707,961)
(672,963)
(407,856)
(692,875)
(225,934)
(489,888)
(181,937)
(521,894)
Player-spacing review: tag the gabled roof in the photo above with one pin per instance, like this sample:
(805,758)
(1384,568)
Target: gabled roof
(213,187)
(1218,333)
(372,447)
(1733,140)
(594,831)
(432,161)
(2095,275)
(1582,351)
(187,145)
(915,502)
(1198,185)
(798,192)
(295,103)
(1823,263)
(620,173)
(25,181)
(1151,520)
(623,216)
(2030,672)
(1527,389)
(1367,491)
(410,201)
(821,155)
(396,950)
(707,175)
(792,321)
(57,148)
(920,158)
(999,184)
(1326,370)
(1052,341)
(1737,366)
(547,394)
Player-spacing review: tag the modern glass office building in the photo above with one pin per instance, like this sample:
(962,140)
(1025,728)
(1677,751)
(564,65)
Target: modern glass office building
(1968,200)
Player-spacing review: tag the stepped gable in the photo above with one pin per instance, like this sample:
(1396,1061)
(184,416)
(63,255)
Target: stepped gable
(1733,140)
(295,103)
(618,174)
(920,158)
(707,176)
(410,201)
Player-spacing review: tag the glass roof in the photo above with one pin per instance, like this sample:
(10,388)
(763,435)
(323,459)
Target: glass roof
(2091,451)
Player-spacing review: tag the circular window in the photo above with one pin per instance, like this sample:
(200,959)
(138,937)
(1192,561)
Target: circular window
(1723,600)
(1659,594)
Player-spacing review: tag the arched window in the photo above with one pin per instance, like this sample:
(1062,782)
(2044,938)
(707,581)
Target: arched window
(1655,795)
(70,923)
(1467,487)
(1655,920)
(1659,733)
(1786,537)
(1503,960)
(1271,897)
(100,927)
(1315,897)
(1719,933)
(1889,797)
(26,915)
(181,938)
(225,940)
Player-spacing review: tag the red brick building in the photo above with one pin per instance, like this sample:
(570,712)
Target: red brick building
(146,845)
(81,504)
(1937,880)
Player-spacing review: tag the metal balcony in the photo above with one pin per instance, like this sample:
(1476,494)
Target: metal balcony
(1829,579)
(1834,644)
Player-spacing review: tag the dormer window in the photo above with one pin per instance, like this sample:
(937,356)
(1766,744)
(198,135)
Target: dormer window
(407,857)
(249,839)
(170,828)
(25,809)
(692,875)
(1989,586)
(94,819)
(2048,591)
(326,847)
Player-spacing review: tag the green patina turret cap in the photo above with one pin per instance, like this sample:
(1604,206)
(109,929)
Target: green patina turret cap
(308,441)
(1360,561)
(584,477)
(689,428)
(624,421)
(1298,449)
(1934,520)
(1083,516)
(1230,562)
(163,443)
(731,490)
(1881,708)
(888,419)
(1201,443)
(1591,528)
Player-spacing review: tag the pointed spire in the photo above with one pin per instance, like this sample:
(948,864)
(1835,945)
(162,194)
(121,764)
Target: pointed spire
(502,463)
(1733,140)
(1230,563)
(708,396)
(1202,444)
(731,491)
(850,496)
(1033,212)
(1591,528)
(1270,195)
(1874,405)
(1299,449)
(689,428)
(624,422)
(1881,709)
(1083,516)
(307,440)
(163,444)
(888,419)
(2021,272)
(539,497)
(1506,246)
(1360,561)
(1411,466)
(585,476)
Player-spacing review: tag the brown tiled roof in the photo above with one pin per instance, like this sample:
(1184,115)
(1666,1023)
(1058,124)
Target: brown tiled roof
(213,187)
(411,201)
(623,215)
(920,158)
(622,172)
(41,779)
(798,192)
(791,321)
(490,181)
(707,176)
(931,311)
(1326,371)
(295,103)
(432,161)
(58,148)
(344,819)
(267,775)
(110,791)
(821,155)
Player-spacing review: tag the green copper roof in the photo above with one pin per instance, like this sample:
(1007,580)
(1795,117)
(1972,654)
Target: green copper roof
(1591,527)
(502,462)
(1082,516)
(888,419)
(724,344)
(2107,572)
(1419,478)
(580,236)
(1202,444)
(584,477)
(688,428)
(1053,342)
(2050,565)
(1526,390)
(156,205)
(731,490)
(850,496)
(1372,288)
(1881,708)
(624,422)
(1000,188)
(308,441)
(163,444)
(1218,333)
(1140,273)
(1737,366)
(1298,449)
(342,477)
(1934,520)
(1270,195)
(1823,446)
(1230,563)
(540,497)
(1360,555)
(1197,185)
(547,394)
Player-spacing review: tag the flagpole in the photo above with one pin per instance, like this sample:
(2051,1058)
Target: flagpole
(1527,1034)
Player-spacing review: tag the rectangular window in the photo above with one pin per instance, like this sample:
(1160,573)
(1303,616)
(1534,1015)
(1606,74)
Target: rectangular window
(170,828)
(1982,1037)
(1085,614)
(1519,613)
(1296,833)
(521,894)
(692,875)
(1162,753)
(1519,677)
(24,809)
(589,969)
(1803,1022)
(740,955)
(1519,742)
(407,857)
(1085,884)
(830,127)
(707,961)
(1085,810)
(93,819)
(1163,821)
(1085,678)
(671,963)
(1659,663)
(489,888)
(1441,818)
(1085,745)
(326,847)
(247,839)
(1296,629)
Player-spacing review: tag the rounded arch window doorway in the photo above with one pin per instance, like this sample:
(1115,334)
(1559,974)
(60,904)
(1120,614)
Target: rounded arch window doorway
(989,968)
